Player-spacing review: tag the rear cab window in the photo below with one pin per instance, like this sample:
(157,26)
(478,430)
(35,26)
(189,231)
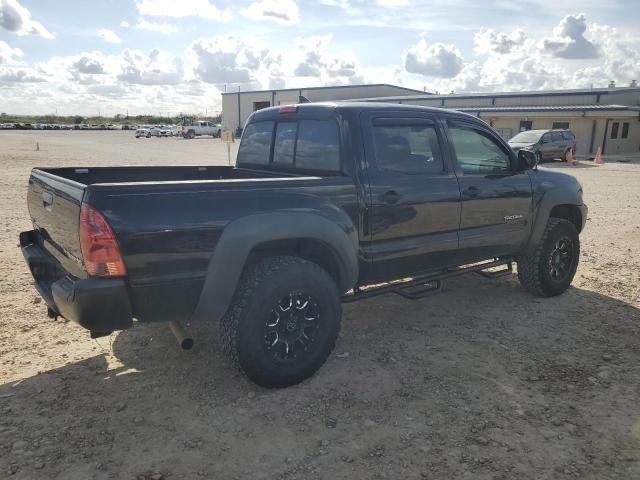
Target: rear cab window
(298,144)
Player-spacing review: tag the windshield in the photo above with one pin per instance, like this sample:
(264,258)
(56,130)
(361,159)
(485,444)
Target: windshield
(526,137)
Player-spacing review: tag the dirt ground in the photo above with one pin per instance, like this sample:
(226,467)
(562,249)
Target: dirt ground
(483,382)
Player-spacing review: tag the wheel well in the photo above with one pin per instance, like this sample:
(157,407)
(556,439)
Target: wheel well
(310,249)
(568,212)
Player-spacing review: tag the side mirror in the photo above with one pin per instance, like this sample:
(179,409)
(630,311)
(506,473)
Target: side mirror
(527,159)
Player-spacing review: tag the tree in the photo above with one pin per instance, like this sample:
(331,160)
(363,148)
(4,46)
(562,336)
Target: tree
(78,120)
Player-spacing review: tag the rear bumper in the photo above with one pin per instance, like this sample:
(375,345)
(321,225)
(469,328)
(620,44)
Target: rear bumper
(101,305)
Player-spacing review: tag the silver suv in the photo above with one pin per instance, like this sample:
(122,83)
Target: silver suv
(546,144)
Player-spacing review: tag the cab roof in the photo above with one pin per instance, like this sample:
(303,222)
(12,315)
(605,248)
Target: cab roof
(327,109)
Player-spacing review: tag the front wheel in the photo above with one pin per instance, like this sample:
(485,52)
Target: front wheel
(539,156)
(283,321)
(549,269)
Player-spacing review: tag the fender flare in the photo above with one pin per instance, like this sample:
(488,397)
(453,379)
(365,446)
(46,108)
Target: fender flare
(548,197)
(241,236)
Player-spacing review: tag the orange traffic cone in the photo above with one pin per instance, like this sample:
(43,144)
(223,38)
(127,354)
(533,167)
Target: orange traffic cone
(570,159)
(598,158)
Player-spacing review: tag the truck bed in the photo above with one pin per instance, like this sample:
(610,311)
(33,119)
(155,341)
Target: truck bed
(167,221)
(149,174)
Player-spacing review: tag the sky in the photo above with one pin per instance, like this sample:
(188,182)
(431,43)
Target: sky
(166,57)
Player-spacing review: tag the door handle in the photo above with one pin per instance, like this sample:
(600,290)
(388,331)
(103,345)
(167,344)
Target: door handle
(471,191)
(390,197)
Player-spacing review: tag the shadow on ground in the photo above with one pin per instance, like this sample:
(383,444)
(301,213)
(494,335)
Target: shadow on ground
(484,381)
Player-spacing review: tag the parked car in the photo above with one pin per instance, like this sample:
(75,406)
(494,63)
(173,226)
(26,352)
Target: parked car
(199,128)
(546,144)
(326,204)
(142,132)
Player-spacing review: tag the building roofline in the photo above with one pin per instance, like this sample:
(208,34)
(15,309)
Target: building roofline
(550,108)
(328,87)
(526,93)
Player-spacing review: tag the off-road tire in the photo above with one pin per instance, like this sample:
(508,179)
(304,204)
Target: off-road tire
(261,287)
(534,268)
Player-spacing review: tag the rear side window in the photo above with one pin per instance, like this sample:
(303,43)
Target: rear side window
(556,136)
(318,147)
(408,148)
(255,147)
(567,135)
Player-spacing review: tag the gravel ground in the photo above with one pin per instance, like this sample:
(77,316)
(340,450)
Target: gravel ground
(482,382)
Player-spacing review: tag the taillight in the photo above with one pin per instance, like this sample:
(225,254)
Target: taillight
(288,109)
(99,248)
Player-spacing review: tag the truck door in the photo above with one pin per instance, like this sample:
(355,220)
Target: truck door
(496,197)
(414,209)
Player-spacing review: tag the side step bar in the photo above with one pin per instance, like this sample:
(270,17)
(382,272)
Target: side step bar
(424,285)
(499,273)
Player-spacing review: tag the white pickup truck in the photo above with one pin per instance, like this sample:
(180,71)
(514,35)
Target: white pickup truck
(198,128)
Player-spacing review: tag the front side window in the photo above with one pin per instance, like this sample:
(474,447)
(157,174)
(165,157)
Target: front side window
(408,148)
(478,153)
(255,147)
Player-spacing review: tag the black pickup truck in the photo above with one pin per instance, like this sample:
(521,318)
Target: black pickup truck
(327,203)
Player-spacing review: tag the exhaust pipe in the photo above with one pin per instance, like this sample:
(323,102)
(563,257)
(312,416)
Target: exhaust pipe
(184,340)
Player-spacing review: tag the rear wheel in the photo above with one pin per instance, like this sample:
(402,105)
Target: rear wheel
(283,322)
(191,134)
(549,269)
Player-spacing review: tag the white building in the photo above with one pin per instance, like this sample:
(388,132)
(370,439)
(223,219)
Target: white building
(237,106)
(599,117)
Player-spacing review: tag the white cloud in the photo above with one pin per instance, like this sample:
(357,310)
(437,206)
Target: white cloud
(109,36)
(157,68)
(124,24)
(183,8)
(620,60)
(315,61)
(437,60)
(88,65)
(160,27)
(568,39)
(281,11)
(393,3)
(13,75)
(489,41)
(8,54)
(223,60)
(16,18)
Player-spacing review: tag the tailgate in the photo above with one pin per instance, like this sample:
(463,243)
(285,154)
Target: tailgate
(54,207)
